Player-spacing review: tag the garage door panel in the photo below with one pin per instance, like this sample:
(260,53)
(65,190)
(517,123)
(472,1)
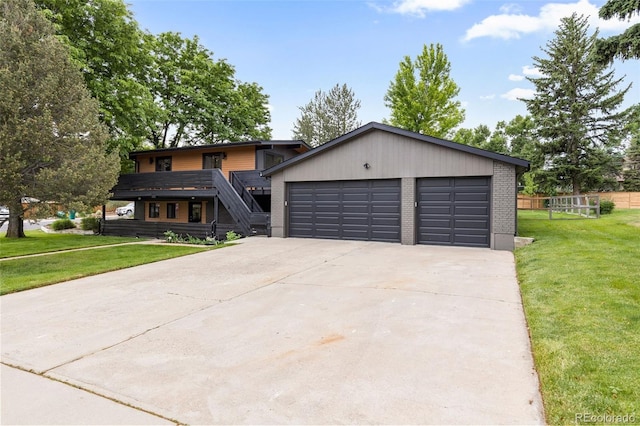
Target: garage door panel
(361,210)
(478,225)
(469,197)
(471,239)
(355,197)
(434,224)
(454,211)
(436,238)
(472,211)
(436,210)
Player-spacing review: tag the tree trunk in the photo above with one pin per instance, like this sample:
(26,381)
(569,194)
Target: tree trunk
(15,229)
(576,186)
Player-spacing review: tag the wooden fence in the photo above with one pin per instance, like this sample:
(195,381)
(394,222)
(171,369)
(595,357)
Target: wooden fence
(623,200)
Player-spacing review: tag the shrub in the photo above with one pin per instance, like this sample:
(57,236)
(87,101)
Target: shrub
(61,224)
(172,237)
(90,224)
(232,236)
(607,206)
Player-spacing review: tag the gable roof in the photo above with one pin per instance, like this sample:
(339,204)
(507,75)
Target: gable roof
(285,143)
(521,164)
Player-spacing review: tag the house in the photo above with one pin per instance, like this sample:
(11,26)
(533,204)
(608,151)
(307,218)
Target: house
(200,190)
(381,183)
(376,183)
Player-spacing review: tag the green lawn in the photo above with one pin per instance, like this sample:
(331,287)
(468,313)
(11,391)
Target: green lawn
(580,285)
(23,274)
(41,242)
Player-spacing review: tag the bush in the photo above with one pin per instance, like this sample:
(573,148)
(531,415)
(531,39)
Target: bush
(232,236)
(90,224)
(172,237)
(607,206)
(61,224)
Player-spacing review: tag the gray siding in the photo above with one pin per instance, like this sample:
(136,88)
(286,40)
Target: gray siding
(394,156)
(389,156)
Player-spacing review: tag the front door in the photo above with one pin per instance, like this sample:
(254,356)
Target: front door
(195,212)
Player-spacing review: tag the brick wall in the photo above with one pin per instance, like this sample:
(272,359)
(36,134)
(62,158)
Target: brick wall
(504,198)
(408,211)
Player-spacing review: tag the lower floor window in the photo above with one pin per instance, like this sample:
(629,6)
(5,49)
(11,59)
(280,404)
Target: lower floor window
(172,210)
(154,210)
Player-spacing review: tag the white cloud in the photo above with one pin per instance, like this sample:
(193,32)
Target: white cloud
(515,77)
(488,97)
(512,25)
(532,71)
(419,8)
(518,93)
(510,8)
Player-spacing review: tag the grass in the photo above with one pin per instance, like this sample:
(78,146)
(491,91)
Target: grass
(27,273)
(41,242)
(580,285)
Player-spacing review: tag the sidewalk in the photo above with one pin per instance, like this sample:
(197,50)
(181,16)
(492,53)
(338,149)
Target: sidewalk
(61,404)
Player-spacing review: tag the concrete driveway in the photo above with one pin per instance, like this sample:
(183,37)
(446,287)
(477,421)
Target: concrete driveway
(287,331)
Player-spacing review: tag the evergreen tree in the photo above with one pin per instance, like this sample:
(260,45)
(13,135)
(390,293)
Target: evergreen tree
(623,46)
(421,97)
(52,144)
(576,110)
(631,171)
(327,116)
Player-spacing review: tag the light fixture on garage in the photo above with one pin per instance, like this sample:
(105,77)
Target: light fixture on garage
(367,166)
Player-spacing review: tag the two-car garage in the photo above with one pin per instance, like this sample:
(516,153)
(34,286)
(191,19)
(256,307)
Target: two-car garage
(450,211)
(381,183)
(366,210)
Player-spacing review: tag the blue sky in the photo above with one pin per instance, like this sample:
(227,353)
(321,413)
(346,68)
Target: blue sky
(293,48)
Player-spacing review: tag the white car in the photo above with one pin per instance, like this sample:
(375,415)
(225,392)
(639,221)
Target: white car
(127,210)
(4,212)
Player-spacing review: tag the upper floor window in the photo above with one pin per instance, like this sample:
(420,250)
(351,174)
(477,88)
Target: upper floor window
(212,160)
(163,164)
(271,159)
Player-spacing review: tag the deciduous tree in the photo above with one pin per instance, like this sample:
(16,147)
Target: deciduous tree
(327,116)
(576,109)
(52,144)
(108,46)
(198,100)
(422,95)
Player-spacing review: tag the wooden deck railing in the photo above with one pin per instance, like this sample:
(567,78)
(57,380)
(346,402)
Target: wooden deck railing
(192,179)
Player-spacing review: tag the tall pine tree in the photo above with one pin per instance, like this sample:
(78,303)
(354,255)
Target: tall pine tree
(576,109)
(327,116)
